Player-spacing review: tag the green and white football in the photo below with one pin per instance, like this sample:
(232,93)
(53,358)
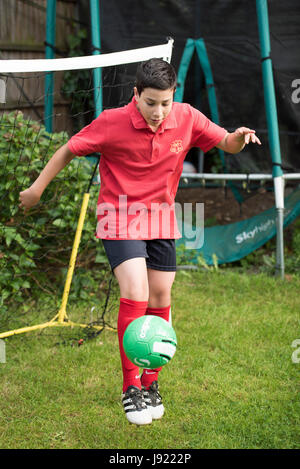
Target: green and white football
(149,342)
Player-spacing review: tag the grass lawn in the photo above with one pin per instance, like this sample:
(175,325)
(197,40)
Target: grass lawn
(231,384)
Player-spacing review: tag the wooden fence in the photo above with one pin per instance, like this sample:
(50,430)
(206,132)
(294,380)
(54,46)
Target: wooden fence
(22,36)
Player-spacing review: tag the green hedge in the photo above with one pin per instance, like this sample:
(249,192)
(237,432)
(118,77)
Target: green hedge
(35,247)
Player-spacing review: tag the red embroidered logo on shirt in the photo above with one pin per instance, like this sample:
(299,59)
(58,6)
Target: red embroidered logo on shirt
(176,146)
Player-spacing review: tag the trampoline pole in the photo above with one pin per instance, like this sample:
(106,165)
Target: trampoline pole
(272,123)
(96,45)
(49,54)
(279,198)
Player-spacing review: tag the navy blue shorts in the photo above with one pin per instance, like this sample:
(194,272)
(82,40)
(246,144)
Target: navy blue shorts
(160,254)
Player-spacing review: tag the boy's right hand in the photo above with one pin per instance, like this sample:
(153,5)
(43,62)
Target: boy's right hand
(28,199)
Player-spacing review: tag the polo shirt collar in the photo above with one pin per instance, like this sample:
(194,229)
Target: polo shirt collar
(139,122)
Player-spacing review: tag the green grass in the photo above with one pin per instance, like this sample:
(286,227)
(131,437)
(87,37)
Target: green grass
(231,384)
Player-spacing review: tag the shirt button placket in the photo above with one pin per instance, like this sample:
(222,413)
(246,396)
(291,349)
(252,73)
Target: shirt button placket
(155,149)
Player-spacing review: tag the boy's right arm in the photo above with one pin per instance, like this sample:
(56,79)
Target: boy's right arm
(59,160)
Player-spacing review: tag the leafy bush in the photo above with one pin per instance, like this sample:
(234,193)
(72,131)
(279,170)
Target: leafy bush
(35,247)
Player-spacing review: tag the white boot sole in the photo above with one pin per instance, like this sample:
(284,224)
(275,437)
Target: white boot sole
(156,412)
(139,417)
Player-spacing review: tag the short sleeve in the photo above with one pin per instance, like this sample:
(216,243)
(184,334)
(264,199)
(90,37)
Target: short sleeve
(206,134)
(90,139)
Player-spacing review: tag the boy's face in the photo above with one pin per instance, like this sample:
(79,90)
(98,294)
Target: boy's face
(154,105)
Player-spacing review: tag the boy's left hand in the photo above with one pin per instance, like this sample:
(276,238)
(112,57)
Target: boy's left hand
(245,136)
(235,141)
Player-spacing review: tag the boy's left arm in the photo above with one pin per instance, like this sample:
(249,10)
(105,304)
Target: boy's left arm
(235,141)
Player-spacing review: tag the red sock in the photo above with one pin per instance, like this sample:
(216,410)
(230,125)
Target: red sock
(129,310)
(149,376)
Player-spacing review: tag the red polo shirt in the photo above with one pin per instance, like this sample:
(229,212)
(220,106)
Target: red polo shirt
(140,169)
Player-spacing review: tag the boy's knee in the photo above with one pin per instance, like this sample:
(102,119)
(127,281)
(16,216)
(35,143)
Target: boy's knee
(135,291)
(159,298)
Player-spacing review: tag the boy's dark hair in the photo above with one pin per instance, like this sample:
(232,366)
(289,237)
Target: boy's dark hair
(155,73)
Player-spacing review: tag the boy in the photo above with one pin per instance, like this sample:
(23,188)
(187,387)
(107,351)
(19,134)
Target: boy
(142,146)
